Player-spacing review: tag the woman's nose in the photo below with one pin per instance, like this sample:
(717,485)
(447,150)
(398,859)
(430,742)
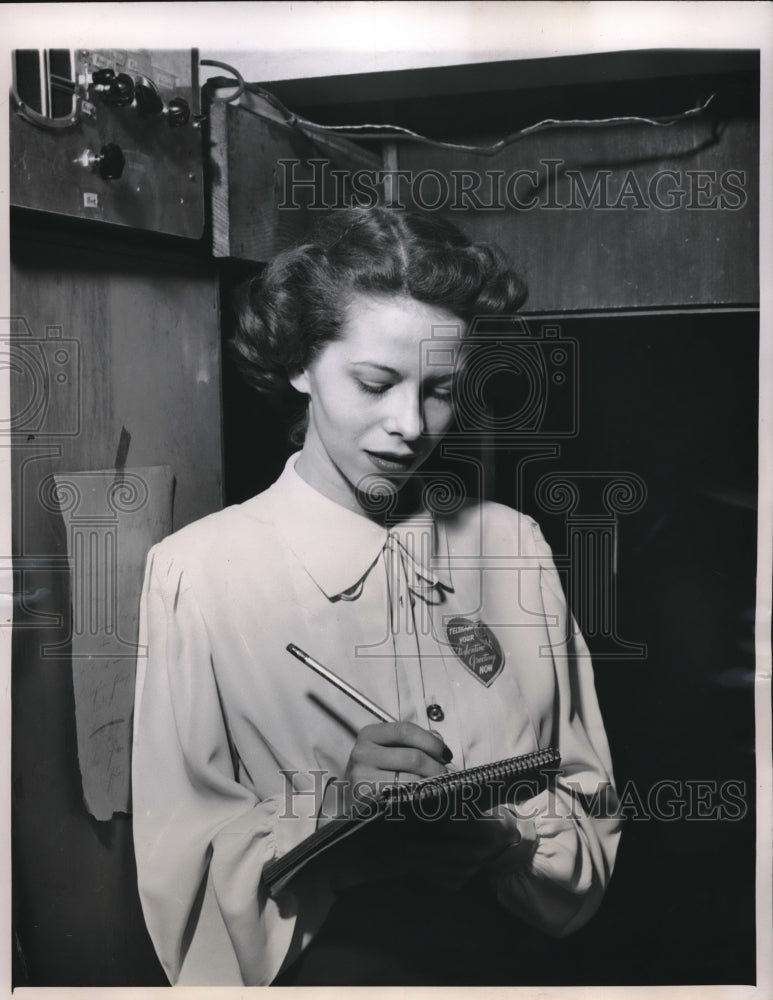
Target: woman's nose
(405,416)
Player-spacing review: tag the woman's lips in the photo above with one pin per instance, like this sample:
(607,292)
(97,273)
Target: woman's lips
(389,462)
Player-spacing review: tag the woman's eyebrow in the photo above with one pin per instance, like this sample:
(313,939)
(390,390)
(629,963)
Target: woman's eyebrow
(429,376)
(375,364)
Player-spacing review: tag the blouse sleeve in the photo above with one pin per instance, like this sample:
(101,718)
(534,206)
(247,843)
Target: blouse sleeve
(554,878)
(196,827)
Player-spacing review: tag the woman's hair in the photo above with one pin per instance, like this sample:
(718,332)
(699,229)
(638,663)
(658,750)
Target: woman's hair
(285,316)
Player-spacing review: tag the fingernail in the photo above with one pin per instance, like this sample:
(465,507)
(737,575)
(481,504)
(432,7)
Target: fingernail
(447,754)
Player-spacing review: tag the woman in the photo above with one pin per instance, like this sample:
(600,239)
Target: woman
(241,752)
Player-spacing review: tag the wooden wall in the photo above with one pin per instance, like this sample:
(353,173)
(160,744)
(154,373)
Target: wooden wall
(140,325)
(620,214)
(613,217)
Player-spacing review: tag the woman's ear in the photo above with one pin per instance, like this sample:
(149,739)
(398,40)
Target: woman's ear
(300,381)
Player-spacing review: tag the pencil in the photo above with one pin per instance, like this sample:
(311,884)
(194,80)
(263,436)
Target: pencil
(340,684)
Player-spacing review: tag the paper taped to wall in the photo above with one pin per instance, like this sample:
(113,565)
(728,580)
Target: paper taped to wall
(112,518)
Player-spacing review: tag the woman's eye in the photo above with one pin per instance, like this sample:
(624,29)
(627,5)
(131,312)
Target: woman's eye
(373,388)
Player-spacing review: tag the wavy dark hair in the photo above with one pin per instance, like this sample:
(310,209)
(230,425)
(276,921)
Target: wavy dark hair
(285,316)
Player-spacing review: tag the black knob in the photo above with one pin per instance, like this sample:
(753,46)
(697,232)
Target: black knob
(102,77)
(121,91)
(148,100)
(178,112)
(111,162)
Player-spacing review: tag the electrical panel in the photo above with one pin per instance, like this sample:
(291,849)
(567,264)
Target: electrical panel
(110,136)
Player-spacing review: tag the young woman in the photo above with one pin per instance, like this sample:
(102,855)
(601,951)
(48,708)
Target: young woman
(241,751)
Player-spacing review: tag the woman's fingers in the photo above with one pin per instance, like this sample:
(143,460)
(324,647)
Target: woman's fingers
(381,764)
(384,750)
(409,735)
(411,763)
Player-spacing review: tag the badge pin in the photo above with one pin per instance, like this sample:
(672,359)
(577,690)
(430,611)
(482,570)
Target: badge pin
(477,647)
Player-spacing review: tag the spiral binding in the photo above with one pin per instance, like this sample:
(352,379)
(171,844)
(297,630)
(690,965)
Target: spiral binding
(483,774)
(412,792)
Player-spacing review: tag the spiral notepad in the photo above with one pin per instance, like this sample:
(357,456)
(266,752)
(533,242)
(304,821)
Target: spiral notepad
(456,793)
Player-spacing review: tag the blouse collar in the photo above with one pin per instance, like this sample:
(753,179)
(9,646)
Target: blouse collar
(338,547)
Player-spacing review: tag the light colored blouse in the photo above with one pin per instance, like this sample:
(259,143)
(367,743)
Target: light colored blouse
(234,739)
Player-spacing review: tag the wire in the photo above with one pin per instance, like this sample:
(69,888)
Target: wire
(240,84)
(370,131)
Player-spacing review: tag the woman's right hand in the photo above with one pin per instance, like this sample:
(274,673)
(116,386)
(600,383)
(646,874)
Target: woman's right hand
(383,753)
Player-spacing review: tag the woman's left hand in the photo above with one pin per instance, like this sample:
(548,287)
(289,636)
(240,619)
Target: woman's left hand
(456,849)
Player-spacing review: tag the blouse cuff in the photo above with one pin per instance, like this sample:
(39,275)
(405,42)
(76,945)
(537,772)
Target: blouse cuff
(295,820)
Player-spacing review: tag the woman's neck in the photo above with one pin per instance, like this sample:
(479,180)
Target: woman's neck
(376,506)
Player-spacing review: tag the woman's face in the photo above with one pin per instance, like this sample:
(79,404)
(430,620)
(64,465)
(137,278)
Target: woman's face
(379,396)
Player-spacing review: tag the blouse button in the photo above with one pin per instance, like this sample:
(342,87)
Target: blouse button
(435,713)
